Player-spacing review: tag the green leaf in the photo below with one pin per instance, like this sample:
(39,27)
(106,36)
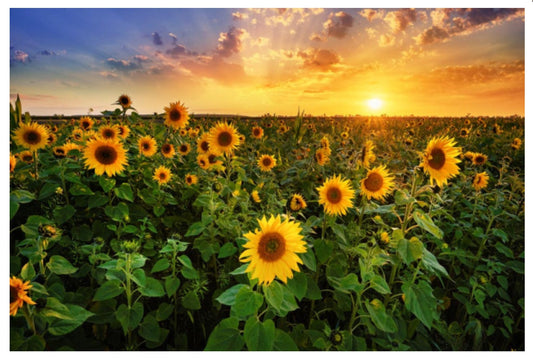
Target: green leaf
(228,296)
(410,250)
(309,259)
(47,190)
(22,196)
(149,329)
(152,288)
(191,301)
(247,302)
(160,265)
(338,229)
(283,342)
(401,197)
(298,285)
(159,210)
(280,298)
(259,336)
(108,290)
(78,315)
(379,316)
(106,183)
(124,192)
(228,249)
(139,277)
(130,318)
(323,249)
(172,283)
(60,265)
(347,283)
(164,311)
(425,221)
(138,261)
(420,301)
(13,208)
(225,336)
(429,261)
(118,212)
(378,283)
(63,214)
(97,201)
(240,270)
(27,272)
(80,189)
(195,229)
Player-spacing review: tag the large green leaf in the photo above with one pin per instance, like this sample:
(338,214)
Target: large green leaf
(225,336)
(60,265)
(124,192)
(420,301)
(298,285)
(228,296)
(130,318)
(152,288)
(247,302)
(411,250)
(380,317)
(64,326)
(425,221)
(63,214)
(284,342)
(259,335)
(108,290)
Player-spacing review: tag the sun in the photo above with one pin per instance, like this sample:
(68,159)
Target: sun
(375,103)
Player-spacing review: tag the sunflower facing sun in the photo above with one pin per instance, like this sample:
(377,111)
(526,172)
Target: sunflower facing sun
(272,250)
(32,136)
(223,138)
(147,145)
(105,156)
(176,115)
(440,160)
(377,183)
(336,195)
(266,162)
(162,175)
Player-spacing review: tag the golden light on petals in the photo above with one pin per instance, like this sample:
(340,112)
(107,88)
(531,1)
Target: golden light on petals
(336,195)
(481,180)
(297,202)
(203,144)
(32,136)
(272,250)
(479,159)
(257,132)
(377,183)
(162,175)
(191,179)
(168,150)
(18,294)
(266,162)
(176,115)
(223,138)
(147,145)
(440,160)
(12,163)
(105,156)
(184,149)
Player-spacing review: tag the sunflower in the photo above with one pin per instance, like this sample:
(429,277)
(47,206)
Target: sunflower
(147,145)
(168,150)
(184,149)
(516,143)
(26,156)
(384,237)
(440,160)
(469,155)
(18,294)
(297,202)
(212,157)
(59,151)
(123,131)
(203,144)
(176,115)
(52,138)
(124,101)
(12,163)
(479,159)
(31,136)
(70,146)
(109,132)
(377,184)
(344,135)
(367,154)
(77,134)
(203,161)
(321,156)
(162,175)
(223,137)
(481,180)
(283,129)
(191,179)
(257,132)
(256,197)
(325,143)
(336,194)
(266,162)
(86,123)
(272,250)
(105,156)
(464,132)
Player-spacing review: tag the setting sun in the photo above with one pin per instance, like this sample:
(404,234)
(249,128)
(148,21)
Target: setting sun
(375,103)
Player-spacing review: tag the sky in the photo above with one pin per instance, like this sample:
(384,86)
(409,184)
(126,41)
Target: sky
(254,61)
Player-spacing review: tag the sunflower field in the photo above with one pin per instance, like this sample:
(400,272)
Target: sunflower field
(184,232)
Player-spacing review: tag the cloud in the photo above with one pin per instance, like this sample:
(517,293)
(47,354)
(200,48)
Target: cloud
(239,16)
(371,14)
(21,56)
(319,59)
(174,38)
(338,24)
(108,75)
(283,16)
(317,37)
(447,23)
(156,38)
(399,20)
(386,40)
(217,69)
(478,73)
(123,65)
(177,51)
(230,42)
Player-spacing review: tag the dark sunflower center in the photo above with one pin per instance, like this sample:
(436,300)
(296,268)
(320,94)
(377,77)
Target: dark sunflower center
(13,294)
(211,158)
(183,148)
(480,159)
(108,133)
(257,132)
(167,148)
(271,246)
(438,158)
(146,146)
(363,153)
(267,161)
(85,124)
(204,145)
(334,195)
(121,130)
(174,115)
(202,162)
(373,182)
(60,151)
(32,137)
(224,138)
(27,158)
(189,180)
(106,155)
(162,175)
(124,101)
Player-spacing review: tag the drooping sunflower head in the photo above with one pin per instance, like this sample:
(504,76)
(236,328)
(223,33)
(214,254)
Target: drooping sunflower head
(177,116)
(147,145)
(297,202)
(124,101)
(272,250)
(12,163)
(105,156)
(18,294)
(367,155)
(162,175)
(266,162)
(191,179)
(257,132)
(109,132)
(223,138)
(336,195)
(32,136)
(184,149)
(377,183)
(481,180)
(167,150)
(26,156)
(321,156)
(440,160)
(86,123)
(479,159)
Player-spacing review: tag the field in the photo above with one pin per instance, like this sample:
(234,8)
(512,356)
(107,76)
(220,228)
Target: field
(181,232)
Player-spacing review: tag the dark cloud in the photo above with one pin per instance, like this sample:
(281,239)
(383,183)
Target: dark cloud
(371,14)
(177,51)
(399,20)
(156,38)
(338,24)
(123,65)
(230,42)
(319,59)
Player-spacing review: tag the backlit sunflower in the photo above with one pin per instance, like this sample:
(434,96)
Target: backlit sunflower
(162,175)
(266,162)
(176,115)
(377,184)
(106,156)
(367,154)
(86,123)
(272,250)
(191,179)
(479,159)
(184,149)
(464,132)
(440,160)
(481,180)
(147,145)
(124,101)
(32,136)
(336,195)
(12,163)
(322,156)
(297,202)
(168,150)
(255,196)
(223,138)
(109,132)
(26,156)
(18,294)
(203,144)
(203,161)
(193,133)
(59,151)
(123,131)
(257,132)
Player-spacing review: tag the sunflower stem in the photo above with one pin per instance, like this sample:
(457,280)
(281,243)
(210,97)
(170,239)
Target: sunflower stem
(35,164)
(29,318)
(363,206)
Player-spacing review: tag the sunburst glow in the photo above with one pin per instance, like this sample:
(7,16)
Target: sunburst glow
(375,104)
